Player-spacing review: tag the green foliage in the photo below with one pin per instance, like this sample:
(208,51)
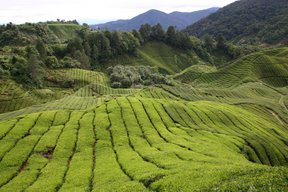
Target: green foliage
(126,76)
(69,62)
(145,32)
(157,33)
(52,62)
(28,71)
(40,46)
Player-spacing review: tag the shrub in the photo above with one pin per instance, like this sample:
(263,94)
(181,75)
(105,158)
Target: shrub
(68,83)
(127,76)
(116,84)
(126,82)
(70,63)
(52,62)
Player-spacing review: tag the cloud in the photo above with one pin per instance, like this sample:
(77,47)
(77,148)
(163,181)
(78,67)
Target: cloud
(19,11)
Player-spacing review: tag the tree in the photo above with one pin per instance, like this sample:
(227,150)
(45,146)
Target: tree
(221,42)
(40,46)
(130,43)
(36,72)
(116,43)
(209,42)
(145,31)
(82,58)
(183,41)
(94,56)
(74,45)
(171,35)
(87,48)
(52,62)
(103,47)
(137,35)
(157,32)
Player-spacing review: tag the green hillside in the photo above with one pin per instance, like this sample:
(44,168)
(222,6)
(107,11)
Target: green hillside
(190,118)
(164,138)
(157,54)
(269,67)
(64,31)
(248,21)
(147,143)
(14,96)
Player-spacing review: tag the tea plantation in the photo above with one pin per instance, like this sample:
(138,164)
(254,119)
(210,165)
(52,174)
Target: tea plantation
(214,130)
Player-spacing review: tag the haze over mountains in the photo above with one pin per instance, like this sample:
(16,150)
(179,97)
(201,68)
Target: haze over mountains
(247,20)
(178,19)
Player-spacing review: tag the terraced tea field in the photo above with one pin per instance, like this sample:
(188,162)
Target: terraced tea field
(14,96)
(268,66)
(131,143)
(187,137)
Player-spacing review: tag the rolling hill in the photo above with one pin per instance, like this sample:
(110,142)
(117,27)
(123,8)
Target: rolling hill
(205,137)
(267,66)
(152,17)
(213,128)
(251,21)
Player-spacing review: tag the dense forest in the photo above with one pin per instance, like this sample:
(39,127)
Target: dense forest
(247,21)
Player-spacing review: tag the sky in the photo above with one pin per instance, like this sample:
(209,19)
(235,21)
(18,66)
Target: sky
(94,11)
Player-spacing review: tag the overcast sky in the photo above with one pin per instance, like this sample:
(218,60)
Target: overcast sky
(94,11)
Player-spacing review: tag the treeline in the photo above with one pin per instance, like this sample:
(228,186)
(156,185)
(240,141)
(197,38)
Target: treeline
(208,48)
(92,48)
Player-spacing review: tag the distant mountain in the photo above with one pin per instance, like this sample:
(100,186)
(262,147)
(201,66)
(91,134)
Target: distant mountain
(251,20)
(152,17)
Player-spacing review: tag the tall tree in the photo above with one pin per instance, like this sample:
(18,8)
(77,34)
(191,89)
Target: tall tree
(157,32)
(171,35)
(221,42)
(145,31)
(209,42)
(137,35)
(40,46)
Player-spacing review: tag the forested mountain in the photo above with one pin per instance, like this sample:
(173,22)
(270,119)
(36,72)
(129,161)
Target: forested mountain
(178,19)
(247,20)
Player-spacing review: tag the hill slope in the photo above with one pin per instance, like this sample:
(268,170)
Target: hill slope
(225,129)
(270,67)
(152,17)
(251,20)
(166,58)
(148,143)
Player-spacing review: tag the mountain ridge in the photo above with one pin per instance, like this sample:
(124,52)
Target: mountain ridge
(153,16)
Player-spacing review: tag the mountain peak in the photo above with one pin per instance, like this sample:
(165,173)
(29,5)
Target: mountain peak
(154,11)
